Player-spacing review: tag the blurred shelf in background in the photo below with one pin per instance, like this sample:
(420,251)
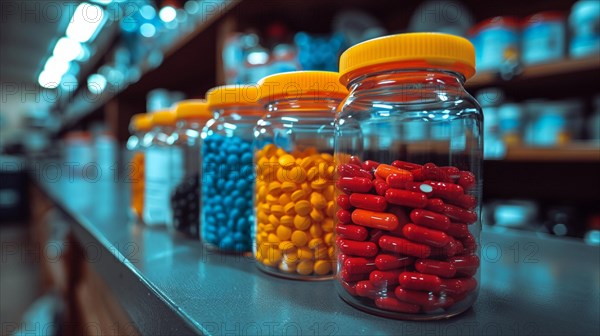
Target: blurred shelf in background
(572,152)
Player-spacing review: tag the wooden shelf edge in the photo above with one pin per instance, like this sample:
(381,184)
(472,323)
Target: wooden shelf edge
(567,66)
(577,152)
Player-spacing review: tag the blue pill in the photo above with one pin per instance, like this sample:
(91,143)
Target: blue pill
(226,243)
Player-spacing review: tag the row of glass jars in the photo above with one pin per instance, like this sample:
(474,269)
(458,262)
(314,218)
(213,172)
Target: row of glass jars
(372,174)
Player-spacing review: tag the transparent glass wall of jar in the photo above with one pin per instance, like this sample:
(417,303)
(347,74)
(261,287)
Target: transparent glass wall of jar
(293,156)
(139,125)
(192,116)
(227,171)
(157,170)
(409,152)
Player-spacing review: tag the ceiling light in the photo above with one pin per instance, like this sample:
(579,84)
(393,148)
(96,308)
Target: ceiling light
(67,49)
(49,79)
(96,83)
(86,22)
(167,14)
(57,65)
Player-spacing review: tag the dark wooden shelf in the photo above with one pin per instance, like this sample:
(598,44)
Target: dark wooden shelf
(570,77)
(577,152)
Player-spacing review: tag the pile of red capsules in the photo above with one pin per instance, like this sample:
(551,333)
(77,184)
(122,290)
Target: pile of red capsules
(403,235)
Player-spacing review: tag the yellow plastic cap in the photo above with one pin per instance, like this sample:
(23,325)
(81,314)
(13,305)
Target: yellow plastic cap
(163,118)
(317,85)
(412,50)
(196,109)
(141,122)
(232,95)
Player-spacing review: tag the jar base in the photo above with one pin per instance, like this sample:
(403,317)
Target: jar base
(293,276)
(357,303)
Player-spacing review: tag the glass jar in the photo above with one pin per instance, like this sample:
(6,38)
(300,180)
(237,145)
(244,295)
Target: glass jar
(294,192)
(191,115)
(158,163)
(409,217)
(227,171)
(139,125)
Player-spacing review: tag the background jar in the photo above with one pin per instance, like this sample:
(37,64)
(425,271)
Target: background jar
(158,164)
(139,125)
(409,206)
(294,195)
(192,116)
(227,171)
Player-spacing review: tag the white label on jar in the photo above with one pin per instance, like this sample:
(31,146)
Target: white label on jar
(157,191)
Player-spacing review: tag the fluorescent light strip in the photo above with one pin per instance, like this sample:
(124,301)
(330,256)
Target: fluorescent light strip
(86,22)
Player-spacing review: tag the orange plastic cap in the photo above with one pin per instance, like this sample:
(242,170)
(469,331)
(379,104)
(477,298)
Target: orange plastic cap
(232,95)
(316,85)
(196,109)
(141,122)
(163,118)
(408,51)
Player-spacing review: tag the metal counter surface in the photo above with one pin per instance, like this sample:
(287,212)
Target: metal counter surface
(531,284)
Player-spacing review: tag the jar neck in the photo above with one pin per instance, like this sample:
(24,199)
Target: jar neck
(190,124)
(414,84)
(239,113)
(324,106)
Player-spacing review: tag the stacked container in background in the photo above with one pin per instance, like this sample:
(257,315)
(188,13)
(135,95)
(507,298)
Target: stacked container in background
(294,197)
(139,125)
(227,173)
(158,168)
(191,116)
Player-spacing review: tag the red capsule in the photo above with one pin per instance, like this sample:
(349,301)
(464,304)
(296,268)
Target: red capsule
(404,246)
(458,230)
(355,161)
(418,281)
(453,248)
(430,219)
(380,187)
(459,214)
(368,202)
(466,265)
(435,204)
(445,190)
(419,187)
(386,262)
(384,170)
(390,303)
(366,289)
(466,179)
(352,232)
(343,201)
(359,265)
(361,249)
(464,201)
(418,174)
(349,277)
(341,256)
(376,220)
(406,198)
(370,165)
(423,235)
(435,173)
(350,170)
(375,234)
(405,165)
(427,301)
(399,180)
(403,219)
(344,216)
(458,285)
(451,172)
(436,267)
(384,278)
(354,184)
(469,243)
